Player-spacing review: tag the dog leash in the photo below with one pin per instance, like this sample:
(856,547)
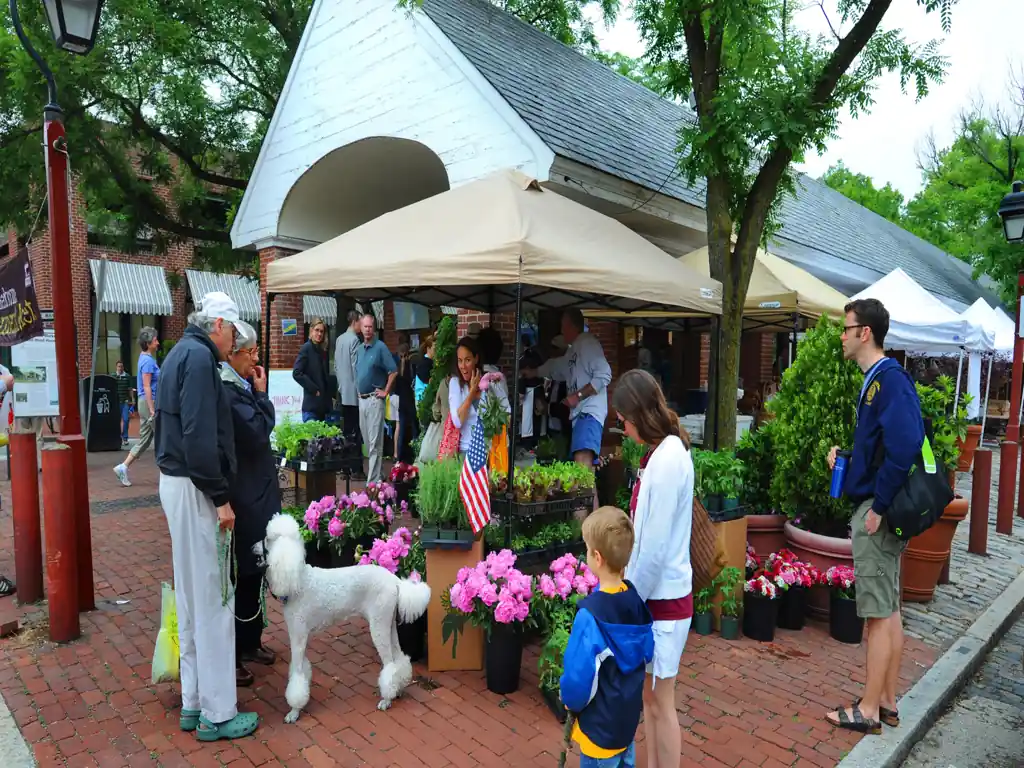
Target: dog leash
(228,566)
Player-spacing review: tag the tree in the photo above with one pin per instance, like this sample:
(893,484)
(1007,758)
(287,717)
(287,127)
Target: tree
(765,93)
(651,76)
(887,202)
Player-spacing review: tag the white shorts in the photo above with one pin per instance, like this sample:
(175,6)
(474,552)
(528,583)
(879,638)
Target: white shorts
(669,642)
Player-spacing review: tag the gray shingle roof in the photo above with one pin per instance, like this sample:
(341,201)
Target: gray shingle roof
(586,112)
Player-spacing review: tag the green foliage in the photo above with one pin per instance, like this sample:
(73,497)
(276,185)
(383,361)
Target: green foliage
(887,202)
(493,415)
(728,583)
(702,600)
(815,409)
(298,514)
(632,453)
(163,350)
(716,473)
(290,436)
(654,77)
(948,426)
(551,448)
(534,535)
(756,454)
(437,494)
(552,656)
(444,350)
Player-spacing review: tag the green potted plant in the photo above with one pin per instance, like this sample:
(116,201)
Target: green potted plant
(441,509)
(756,452)
(728,583)
(703,620)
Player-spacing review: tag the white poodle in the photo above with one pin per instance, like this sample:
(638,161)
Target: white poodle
(315,598)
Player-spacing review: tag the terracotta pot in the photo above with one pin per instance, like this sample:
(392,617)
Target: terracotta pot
(822,552)
(967,447)
(926,554)
(765,533)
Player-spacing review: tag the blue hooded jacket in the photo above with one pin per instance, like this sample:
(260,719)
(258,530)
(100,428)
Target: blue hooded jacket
(889,417)
(611,643)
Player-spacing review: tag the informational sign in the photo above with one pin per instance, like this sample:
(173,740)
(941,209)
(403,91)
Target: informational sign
(34,367)
(289,327)
(20,319)
(410,316)
(285,393)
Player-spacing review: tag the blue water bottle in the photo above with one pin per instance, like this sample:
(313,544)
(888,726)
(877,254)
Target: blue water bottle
(839,474)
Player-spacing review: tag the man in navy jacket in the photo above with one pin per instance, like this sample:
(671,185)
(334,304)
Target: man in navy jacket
(886,444)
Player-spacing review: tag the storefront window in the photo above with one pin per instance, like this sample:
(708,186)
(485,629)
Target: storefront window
(109,349)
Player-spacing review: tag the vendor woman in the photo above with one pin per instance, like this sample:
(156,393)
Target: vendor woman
(464,390)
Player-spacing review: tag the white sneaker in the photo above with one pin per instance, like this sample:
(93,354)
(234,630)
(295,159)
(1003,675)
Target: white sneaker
(122,474)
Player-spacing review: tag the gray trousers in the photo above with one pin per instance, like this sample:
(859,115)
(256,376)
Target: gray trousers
(371,424)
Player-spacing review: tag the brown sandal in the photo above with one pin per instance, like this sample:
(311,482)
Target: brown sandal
(889,717)
(859,724)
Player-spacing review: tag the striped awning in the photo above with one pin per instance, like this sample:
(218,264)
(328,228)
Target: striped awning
(324,307)
(134,289)
(244,291)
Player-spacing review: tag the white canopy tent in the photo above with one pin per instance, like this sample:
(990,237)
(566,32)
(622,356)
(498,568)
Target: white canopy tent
(920,324)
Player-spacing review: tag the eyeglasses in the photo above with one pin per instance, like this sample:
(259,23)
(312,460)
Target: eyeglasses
(848,328)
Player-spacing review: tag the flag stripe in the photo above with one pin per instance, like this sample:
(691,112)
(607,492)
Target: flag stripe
(474,485)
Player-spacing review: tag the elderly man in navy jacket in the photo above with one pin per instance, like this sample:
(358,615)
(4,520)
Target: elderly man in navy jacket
(886,445)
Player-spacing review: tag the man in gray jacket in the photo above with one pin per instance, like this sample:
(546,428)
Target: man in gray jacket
(196,456)
(345,369)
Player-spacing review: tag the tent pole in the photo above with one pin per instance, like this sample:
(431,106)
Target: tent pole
(959,371)
(984,413)
(514,425)
(266,335)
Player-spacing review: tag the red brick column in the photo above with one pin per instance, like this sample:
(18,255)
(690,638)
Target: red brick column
(283,349)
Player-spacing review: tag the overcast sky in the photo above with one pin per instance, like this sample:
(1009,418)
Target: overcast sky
(987,38)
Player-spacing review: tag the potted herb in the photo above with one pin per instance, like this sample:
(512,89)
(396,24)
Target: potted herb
(441,509)
(703,619)
(843,622)
(716,480)
(760,608)
(549,670)
(756,454)
(728,582)
(495,597)
(403,555)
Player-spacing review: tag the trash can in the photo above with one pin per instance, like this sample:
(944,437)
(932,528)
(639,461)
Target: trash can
(104,424)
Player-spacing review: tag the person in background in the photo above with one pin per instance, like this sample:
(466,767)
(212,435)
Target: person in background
(148,378)
(610,644)
(375,378)
(7,586)
(195,452)
(253,493)
(310,372)
(587,374)
(124,400)
(345,369)
(424,367)
(464,390)
(886,446)
(659,566)
(407,425)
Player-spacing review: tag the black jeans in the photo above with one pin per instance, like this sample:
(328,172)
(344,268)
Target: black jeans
(350,422)
(248,634)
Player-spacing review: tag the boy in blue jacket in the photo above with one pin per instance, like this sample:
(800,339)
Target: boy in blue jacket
(611,643)
(886,445)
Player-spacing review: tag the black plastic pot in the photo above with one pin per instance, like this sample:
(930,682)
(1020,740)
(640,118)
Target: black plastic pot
(759,615)
(318,557)
(347,556)
(412,638)
(713,503)
(792,608)
(843,622)
(504,657)
(436,537)
(554,702)
(703,623)
(730,628)
(403,492)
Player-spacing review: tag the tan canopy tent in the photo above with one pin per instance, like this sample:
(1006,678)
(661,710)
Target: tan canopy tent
(779,292)
(476,245)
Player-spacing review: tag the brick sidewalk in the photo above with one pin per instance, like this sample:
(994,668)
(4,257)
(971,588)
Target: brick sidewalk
(90,703)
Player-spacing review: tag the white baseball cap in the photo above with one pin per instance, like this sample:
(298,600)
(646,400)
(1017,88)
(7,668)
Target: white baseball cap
(218,304)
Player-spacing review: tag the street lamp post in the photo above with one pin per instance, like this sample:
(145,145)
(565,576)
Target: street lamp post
(1011,211)
(74,24)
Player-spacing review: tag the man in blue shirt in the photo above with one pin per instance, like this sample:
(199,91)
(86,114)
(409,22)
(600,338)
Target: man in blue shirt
(375,376)
(886,445)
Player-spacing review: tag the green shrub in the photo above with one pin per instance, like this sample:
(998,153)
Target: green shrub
(947,427)
(815,409)
(756,453)
(444,351)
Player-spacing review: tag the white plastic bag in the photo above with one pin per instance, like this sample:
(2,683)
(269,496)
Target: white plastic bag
(166,655)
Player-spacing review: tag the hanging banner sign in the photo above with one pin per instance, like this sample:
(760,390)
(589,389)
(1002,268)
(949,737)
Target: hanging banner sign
(20,319)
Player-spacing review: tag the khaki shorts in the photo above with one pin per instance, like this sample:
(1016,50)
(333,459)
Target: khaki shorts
(876,563)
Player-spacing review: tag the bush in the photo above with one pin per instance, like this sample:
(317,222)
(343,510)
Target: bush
(815,409)
(948,427)
(444,350)
(756,452)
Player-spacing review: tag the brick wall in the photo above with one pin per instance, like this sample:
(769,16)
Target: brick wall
(283,349)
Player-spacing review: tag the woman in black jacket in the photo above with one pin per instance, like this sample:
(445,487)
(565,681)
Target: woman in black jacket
(311,372)
(254,493)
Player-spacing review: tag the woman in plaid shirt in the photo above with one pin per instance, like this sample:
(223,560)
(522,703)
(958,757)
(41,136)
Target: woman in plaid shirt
(124,400)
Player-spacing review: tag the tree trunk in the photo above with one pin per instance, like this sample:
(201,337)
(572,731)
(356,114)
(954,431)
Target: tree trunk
(728,364)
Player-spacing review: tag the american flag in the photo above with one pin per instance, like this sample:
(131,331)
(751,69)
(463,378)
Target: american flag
(473,483)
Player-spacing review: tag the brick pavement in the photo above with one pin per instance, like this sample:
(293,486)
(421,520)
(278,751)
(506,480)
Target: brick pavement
(90,703)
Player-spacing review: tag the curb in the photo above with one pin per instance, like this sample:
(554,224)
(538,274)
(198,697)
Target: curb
(927,701)
(14,748)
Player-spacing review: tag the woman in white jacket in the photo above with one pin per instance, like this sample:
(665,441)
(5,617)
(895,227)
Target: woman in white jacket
(659,567)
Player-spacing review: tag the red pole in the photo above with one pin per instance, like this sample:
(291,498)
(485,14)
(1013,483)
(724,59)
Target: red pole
(1007,486)
(981,487)
(1013,427)
(67,355)
(61,547)
(28,537)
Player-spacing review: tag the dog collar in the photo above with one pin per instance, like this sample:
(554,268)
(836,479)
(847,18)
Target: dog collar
(283,600)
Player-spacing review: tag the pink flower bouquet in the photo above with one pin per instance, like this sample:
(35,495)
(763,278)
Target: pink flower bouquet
(351,517)
(762,586)
(569,581)
(400,553)
(842,579)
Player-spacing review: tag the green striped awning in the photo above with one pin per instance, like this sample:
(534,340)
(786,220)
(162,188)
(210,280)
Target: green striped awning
(324,307)
(244,291)
(134,289)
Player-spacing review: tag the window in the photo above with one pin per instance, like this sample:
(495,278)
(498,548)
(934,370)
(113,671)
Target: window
(109,348)
(138,322)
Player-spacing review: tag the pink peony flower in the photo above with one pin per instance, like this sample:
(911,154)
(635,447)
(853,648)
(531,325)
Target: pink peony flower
(336,527)
(547,586)
(488,594)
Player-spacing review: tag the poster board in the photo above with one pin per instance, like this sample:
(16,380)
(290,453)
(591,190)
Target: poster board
(285,393)
(34,367)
